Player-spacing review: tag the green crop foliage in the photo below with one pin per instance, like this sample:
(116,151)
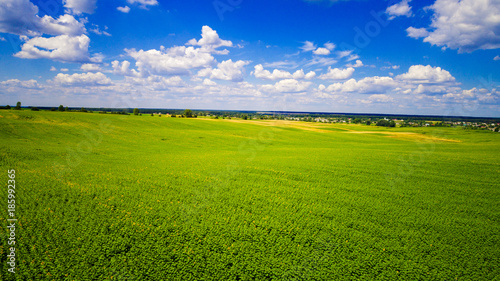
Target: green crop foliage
(122,197)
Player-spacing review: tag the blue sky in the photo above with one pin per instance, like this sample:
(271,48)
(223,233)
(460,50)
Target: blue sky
(438,57)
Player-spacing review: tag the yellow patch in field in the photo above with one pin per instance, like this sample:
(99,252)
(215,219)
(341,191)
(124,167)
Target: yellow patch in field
(320,127)
(277,123)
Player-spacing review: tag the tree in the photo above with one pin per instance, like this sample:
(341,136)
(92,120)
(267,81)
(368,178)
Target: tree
(383,123)
(188,113)
(83,110)
(245,117)
(34,109)
(61,108)
(18,106)
(136,111)
(368,122)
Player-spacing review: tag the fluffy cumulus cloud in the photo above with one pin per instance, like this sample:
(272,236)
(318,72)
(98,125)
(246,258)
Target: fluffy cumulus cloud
(366,85)
(358,63)
(82,80)
(61,48)
(426,74)
(309,46)
(29,84)
(466,25)
(417,80)
(226,70)
(80,6)
(337,74)
(321,51)
(260,72)
(400,9)
(179,60)
(171,61)
(21,17)
(123,68)
(287,86)
(124,9)
(210,40)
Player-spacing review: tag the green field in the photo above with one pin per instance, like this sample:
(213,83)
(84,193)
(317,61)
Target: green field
(110,197)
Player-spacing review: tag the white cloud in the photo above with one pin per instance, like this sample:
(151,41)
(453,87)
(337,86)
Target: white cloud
(426,74)
(417,32)
(352,57)
(95,29)
(466,25)
(378,98)
(156,82)
(90,67)
(125,9)
(496,58)
(208,82)
(175,60)
(64,69)
(80,6)
(308,46)
(287,86)
(61,48)
(329,46)
(418,80)
(20,17)
(337,73)
(321,51)
(400,9)
(321,61)
(52,68)
(358,63)
(29,84)
(143,3)
(390,67)
(123,68)
(299,74)
(366,85)
(342,54)
(210,40)
(82,80)
(260,72)
(226,70)
(2,39)
(65,24)
(432,89)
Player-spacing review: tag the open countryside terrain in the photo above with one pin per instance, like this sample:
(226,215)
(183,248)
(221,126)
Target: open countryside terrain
(110,197)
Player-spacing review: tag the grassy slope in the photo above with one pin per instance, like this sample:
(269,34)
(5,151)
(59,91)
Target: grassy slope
(164,198)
